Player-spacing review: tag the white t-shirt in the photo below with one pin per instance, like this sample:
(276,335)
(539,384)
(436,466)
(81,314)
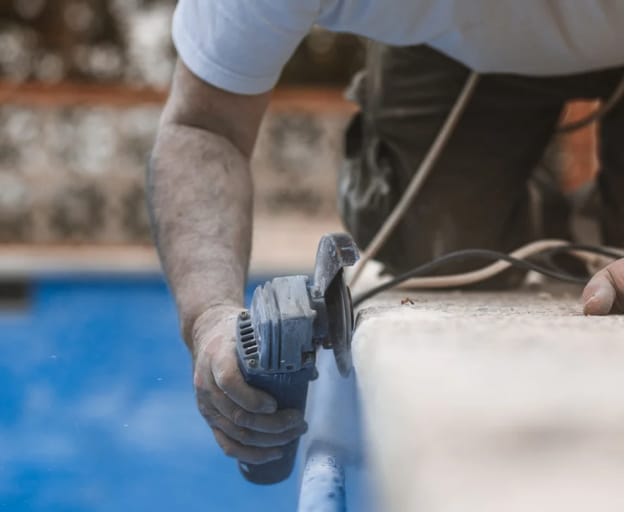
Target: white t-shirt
(242,45)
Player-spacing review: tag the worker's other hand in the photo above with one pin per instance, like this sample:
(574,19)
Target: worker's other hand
(244,420)
(604,292)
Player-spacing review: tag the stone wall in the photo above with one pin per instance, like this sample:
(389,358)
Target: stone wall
(76,173)
(72,169)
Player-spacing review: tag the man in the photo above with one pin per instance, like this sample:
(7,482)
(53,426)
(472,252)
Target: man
(533,56)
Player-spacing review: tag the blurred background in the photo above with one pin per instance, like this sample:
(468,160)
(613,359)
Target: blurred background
(97,411)
(81,88)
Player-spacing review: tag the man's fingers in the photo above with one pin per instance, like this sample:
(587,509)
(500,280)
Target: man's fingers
(248,437)
(604,292)
(249,454)
(276,423)
(615,271)
(599,296)
(244,420)
(228,378)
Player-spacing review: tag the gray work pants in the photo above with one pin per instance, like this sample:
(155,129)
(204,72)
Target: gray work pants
(477,194)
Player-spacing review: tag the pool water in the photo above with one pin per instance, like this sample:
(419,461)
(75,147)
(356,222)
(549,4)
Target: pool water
(98,412)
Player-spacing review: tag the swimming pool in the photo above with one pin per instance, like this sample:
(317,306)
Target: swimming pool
(98,412)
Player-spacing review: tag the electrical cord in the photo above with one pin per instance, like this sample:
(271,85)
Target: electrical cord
(503,261)
(417,181)
(466,278)
(609,252)
(594,257)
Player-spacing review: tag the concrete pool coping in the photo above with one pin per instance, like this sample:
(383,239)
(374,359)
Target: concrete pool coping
(488,401)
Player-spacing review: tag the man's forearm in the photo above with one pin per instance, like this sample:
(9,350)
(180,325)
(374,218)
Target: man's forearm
(200,200)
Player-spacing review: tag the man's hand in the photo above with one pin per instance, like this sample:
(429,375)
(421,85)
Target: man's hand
(604,292)
(244,420)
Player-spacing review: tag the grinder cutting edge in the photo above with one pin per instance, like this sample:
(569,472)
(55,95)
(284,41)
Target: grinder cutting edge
(277,339)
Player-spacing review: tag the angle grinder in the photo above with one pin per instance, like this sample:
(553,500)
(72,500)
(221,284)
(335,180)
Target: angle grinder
(277,338)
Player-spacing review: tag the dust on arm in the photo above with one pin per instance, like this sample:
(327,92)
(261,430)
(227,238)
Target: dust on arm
(200,194)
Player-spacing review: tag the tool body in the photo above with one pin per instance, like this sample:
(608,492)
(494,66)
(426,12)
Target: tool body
(277,339)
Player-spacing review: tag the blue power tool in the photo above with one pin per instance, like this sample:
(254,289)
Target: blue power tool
(277,339)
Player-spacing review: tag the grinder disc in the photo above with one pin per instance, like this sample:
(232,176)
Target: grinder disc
(340,322)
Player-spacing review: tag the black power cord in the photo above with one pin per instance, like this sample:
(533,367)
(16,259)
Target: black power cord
(486,254)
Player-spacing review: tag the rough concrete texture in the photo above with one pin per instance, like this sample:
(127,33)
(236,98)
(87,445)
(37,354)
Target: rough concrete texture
(509,401)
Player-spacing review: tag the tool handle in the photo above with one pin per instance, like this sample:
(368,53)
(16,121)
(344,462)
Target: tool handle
(290,390)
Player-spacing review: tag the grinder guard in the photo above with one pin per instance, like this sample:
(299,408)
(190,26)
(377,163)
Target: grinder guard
(277,339)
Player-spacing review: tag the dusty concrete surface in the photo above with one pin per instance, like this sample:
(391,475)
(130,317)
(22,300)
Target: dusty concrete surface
(492,402)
